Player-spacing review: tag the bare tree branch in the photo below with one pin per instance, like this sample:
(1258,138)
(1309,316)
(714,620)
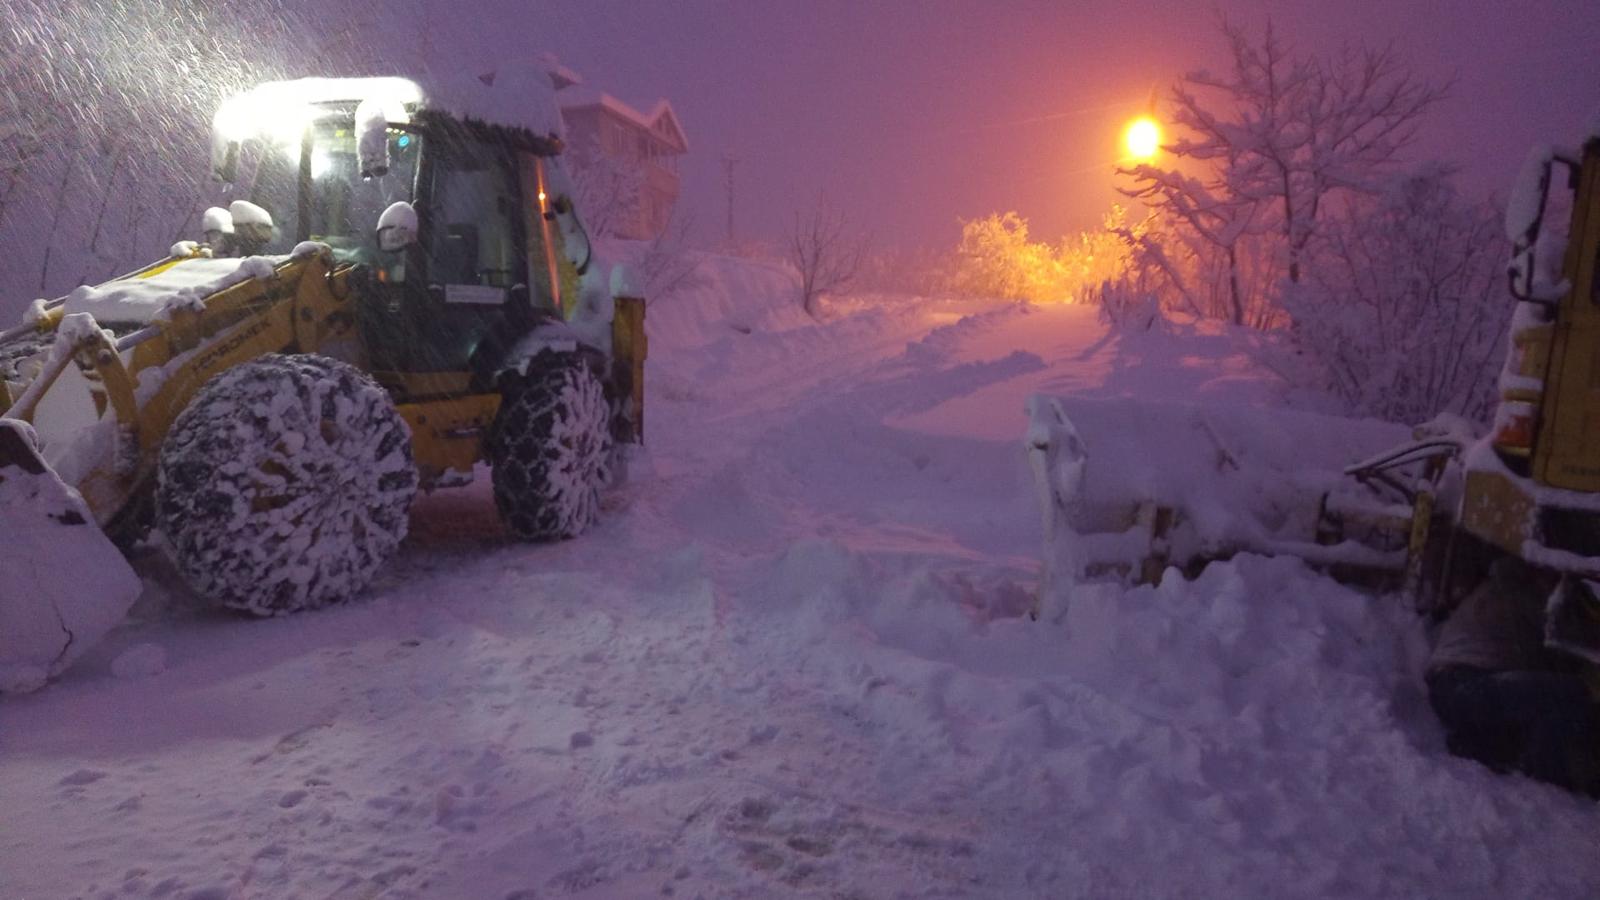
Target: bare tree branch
(1281,134)
(825,253)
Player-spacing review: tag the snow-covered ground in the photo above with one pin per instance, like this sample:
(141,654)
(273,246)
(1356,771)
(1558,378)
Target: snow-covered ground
(791,661)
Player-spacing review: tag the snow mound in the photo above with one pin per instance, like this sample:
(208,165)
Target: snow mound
(1259,730)
(729,295)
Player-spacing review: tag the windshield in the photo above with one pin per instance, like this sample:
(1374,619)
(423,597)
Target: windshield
(344,206)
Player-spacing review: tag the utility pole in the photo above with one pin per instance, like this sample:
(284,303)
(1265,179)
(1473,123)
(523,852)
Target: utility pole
(728,161)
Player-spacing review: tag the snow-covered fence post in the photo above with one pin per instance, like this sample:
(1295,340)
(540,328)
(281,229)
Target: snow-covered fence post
(1057,456)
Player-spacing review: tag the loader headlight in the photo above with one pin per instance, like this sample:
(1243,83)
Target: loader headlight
(263,115)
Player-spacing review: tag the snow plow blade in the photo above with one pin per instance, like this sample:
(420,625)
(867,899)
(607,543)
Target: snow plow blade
(63,584)
(1130,488)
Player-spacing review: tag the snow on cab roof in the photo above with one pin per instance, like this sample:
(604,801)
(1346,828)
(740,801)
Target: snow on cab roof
(518,97)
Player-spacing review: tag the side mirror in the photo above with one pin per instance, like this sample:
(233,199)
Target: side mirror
(373,116)
(1524,221)
(397,227)
(216,226)
(252,227)
(572,232)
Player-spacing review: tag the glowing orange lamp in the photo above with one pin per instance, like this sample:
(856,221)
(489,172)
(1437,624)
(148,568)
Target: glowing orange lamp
(1143,138)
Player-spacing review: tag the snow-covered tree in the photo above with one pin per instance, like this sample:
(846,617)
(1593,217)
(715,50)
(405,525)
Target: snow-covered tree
(997,259)
(914,271)
(1127,304)
(1092,257)
(1268,148)
(1404,316)
(666,263)
(607,188)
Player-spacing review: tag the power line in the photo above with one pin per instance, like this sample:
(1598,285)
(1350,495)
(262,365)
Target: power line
(1028,120)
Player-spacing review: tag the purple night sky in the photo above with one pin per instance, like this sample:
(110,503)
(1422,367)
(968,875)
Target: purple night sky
(913,114)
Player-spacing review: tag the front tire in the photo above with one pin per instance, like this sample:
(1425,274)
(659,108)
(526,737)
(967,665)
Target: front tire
(285,484)
(550,447)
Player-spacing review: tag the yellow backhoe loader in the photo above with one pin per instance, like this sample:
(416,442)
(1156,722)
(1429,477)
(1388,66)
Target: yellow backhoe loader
(1430,516)
(1531,488)
(400,290)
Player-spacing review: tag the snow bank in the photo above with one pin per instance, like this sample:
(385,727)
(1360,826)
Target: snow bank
(1258,731)
(728,294)
(794,662)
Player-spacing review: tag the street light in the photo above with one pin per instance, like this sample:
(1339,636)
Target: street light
(1143,138)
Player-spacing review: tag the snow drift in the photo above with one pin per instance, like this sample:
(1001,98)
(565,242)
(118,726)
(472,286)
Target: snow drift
(794,661)
(728,294)
(1260,729)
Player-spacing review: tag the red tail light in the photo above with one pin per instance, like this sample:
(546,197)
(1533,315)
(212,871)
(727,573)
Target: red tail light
(1514,428)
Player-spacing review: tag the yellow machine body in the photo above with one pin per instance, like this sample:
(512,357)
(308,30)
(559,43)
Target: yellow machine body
(307,306)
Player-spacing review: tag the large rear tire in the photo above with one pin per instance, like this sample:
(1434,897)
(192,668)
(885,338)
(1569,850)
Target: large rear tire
(550,448)
(285,484)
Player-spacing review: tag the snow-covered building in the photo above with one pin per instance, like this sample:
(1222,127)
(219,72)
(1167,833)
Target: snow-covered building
(641,147)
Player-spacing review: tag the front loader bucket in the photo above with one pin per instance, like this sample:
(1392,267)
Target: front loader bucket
(63,584)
